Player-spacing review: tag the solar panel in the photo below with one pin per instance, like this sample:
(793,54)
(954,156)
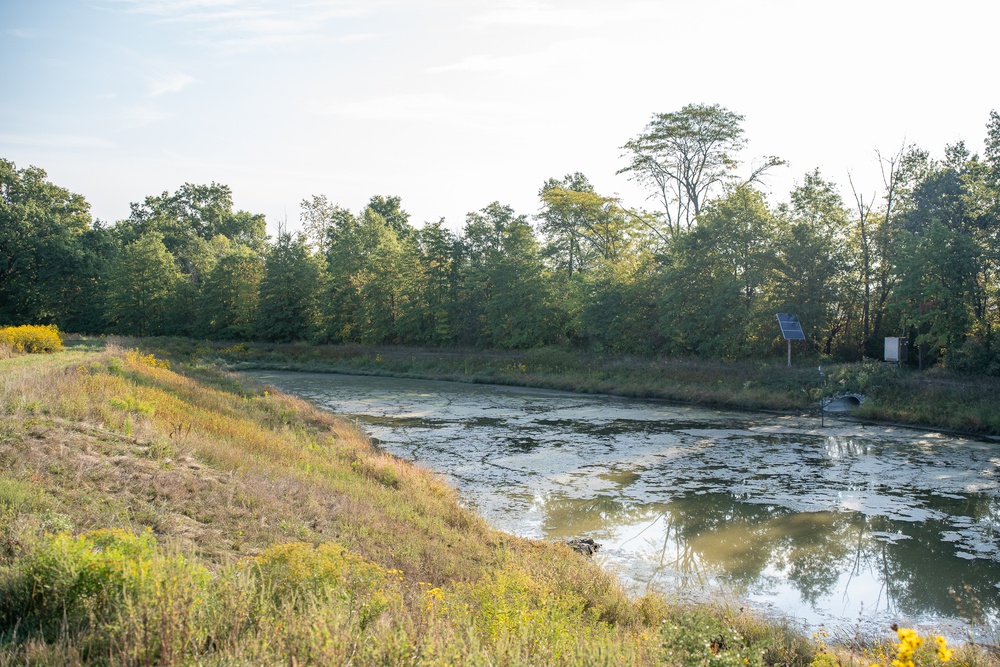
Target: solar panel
(790,327)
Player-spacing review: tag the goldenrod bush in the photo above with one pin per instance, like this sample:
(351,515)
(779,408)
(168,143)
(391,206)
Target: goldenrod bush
(115,590)
(31,338)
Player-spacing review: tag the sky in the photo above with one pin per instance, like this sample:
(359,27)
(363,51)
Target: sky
(452,105)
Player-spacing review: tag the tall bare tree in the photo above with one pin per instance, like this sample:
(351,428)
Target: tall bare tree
(684,156)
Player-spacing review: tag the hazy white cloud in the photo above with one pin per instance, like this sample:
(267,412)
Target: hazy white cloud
(139,116)
(474,63)
(558,56)
(169,83)
(420,107)
(238,27)
(568,15)
(54,141)
(165,7)
(356,37)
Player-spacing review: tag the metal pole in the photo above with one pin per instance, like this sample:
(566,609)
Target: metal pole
(789,352)
(822,412)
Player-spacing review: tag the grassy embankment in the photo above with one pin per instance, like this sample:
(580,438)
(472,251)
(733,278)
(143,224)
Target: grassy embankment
(151,515)
(155,515)
(936,398)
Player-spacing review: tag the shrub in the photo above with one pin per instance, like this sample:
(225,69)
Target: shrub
(31,338)
(298,573)
(111,586)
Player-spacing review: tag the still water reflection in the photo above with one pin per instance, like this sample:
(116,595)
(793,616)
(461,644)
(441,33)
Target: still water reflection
(830,526)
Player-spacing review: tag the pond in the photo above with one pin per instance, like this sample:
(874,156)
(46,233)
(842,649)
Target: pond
(845,526)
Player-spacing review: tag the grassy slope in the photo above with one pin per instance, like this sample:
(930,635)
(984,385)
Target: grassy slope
(222,472)
(935,399)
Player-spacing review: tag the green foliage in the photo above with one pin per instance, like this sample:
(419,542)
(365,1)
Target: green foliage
(813,261)
(621,314)
(193,213)
(132,404)
(949,264)
(582,227)
(300,574)
(290,292)
(699,639)
(45,263)
(438,249)
(388,283)
(141,287)
(685,156)
(718,280)
(108,587)
(505,290)
(702,276)
(230,298)
(16,496)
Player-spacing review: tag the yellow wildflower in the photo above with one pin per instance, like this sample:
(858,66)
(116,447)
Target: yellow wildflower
(943,651)
(909,641)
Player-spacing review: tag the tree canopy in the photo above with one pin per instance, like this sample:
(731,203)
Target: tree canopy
(702,276)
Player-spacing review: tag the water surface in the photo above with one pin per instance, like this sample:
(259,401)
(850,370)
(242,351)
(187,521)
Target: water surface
(837,527)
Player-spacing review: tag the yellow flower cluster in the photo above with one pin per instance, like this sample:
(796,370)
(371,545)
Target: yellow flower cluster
(909,642)
(944,653)
(137,357)
(30,338)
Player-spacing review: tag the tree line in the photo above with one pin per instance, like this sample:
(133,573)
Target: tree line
(700,274)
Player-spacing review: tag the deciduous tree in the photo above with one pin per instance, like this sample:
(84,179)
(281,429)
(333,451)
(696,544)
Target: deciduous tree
(685,157)
(141,287)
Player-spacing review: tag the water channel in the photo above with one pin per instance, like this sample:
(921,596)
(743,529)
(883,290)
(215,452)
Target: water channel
(846,526)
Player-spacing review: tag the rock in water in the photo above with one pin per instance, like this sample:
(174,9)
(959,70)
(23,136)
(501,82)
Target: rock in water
(584,545)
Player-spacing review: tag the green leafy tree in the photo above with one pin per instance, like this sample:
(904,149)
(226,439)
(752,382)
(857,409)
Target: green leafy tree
(439,251)
(231,295)
(142,283)
(391,210)
(373,267)
(716,289)
(561,225)
(685,156)
(290,292)
(874,243)
(506,293)
(813,261)
(947,271)
(197,223)
(47,263)
(388,284)
(339,238)
(620,311)
(195,212)
(582,227)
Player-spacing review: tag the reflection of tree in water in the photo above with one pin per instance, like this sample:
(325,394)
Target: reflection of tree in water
(922,571)
(815,549)
(714,534)
(743,539)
